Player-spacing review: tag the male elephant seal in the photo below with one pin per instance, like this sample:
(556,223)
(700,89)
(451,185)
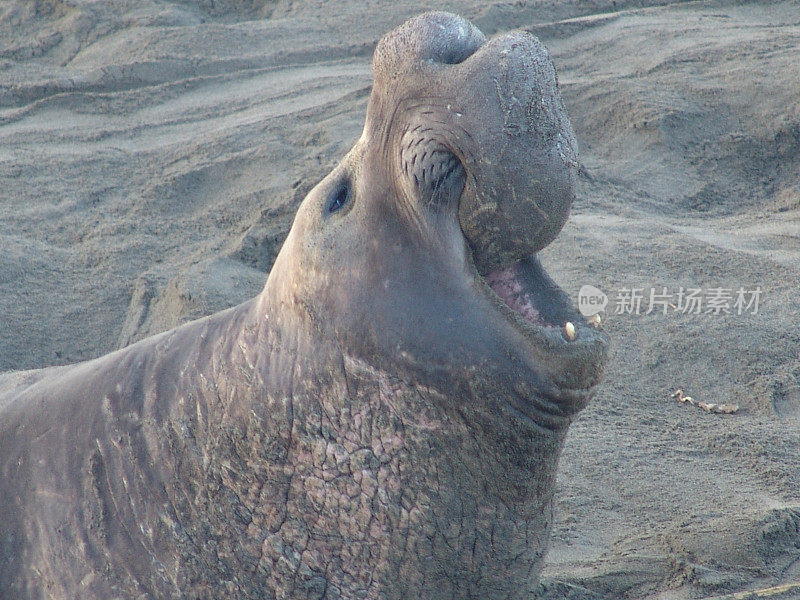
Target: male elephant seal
(383,421)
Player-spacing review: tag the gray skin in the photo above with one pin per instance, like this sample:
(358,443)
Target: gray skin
(378,423)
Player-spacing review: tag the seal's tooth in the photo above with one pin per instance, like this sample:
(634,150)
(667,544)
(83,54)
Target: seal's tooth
(595,321)
(569,331)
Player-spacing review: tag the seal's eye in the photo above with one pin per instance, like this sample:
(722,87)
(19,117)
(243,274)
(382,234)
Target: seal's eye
(339,197)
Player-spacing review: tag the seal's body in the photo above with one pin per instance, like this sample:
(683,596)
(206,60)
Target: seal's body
(383,421)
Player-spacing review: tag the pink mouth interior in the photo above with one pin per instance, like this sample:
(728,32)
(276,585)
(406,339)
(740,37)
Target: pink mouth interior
(505,284)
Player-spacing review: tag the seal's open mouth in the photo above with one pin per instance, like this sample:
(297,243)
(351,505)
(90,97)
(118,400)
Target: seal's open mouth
(535,305)
(525,290)
(531,299)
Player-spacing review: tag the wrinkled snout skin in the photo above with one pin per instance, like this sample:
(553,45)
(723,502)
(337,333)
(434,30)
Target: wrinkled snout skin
(371,426)
(496,106)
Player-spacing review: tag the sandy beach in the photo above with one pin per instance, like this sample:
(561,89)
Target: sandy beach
(153,153)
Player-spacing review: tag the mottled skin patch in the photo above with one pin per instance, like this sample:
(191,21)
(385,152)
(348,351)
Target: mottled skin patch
(376,424)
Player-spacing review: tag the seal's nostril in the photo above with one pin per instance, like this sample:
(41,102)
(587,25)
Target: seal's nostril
(439,37)
(455,55)
(455,41)
(446,38)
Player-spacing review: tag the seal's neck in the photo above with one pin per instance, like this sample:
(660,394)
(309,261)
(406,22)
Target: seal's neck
(321,471)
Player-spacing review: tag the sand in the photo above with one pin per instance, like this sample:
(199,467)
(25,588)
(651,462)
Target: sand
(152,155)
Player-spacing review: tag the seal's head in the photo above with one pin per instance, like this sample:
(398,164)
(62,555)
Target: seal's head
(419,249)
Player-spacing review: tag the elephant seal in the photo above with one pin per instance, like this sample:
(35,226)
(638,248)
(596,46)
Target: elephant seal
(383,421)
